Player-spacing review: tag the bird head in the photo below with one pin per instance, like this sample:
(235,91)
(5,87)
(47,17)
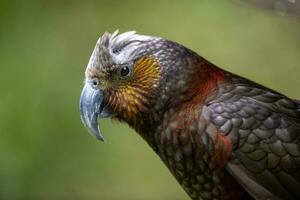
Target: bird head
(133,78)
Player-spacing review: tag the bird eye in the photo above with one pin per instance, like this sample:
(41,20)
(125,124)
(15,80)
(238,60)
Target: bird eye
(124,70)
(95,82)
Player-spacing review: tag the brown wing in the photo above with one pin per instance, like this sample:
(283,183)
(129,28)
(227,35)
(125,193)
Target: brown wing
(264,129)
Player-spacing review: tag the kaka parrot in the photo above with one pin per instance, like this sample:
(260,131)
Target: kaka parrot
(222,136)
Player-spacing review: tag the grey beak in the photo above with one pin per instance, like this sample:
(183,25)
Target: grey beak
(92,108)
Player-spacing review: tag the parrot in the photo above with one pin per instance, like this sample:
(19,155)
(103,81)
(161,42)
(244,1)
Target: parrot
(222,136)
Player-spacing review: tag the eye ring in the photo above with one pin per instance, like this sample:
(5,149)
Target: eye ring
(95,82)
(124,70)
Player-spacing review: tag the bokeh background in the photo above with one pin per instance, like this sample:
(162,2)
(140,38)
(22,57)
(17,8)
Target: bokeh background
(46,153)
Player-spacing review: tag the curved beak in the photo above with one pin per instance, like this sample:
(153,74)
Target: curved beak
(91,108)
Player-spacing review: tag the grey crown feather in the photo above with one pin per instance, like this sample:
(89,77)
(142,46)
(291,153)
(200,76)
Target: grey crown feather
(116,48)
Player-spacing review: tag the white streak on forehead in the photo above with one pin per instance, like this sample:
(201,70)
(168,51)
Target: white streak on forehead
(116,48)
(122,46)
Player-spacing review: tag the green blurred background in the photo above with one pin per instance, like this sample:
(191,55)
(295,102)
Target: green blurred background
(46,153)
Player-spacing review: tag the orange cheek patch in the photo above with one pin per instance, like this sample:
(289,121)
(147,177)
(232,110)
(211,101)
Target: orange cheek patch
(146,72)
(133,96)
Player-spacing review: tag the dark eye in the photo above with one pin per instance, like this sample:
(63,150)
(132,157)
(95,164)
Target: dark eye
(95,82)
(124,71)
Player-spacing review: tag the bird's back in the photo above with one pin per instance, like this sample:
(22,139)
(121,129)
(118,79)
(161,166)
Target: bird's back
(264,130)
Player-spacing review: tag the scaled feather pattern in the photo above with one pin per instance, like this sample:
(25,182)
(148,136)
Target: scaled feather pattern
(222,136)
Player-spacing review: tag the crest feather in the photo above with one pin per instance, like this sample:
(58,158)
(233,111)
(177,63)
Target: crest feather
(114,48)
(116,42)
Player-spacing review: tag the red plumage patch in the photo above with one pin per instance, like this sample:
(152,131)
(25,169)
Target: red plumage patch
(222,151)
(203,84)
